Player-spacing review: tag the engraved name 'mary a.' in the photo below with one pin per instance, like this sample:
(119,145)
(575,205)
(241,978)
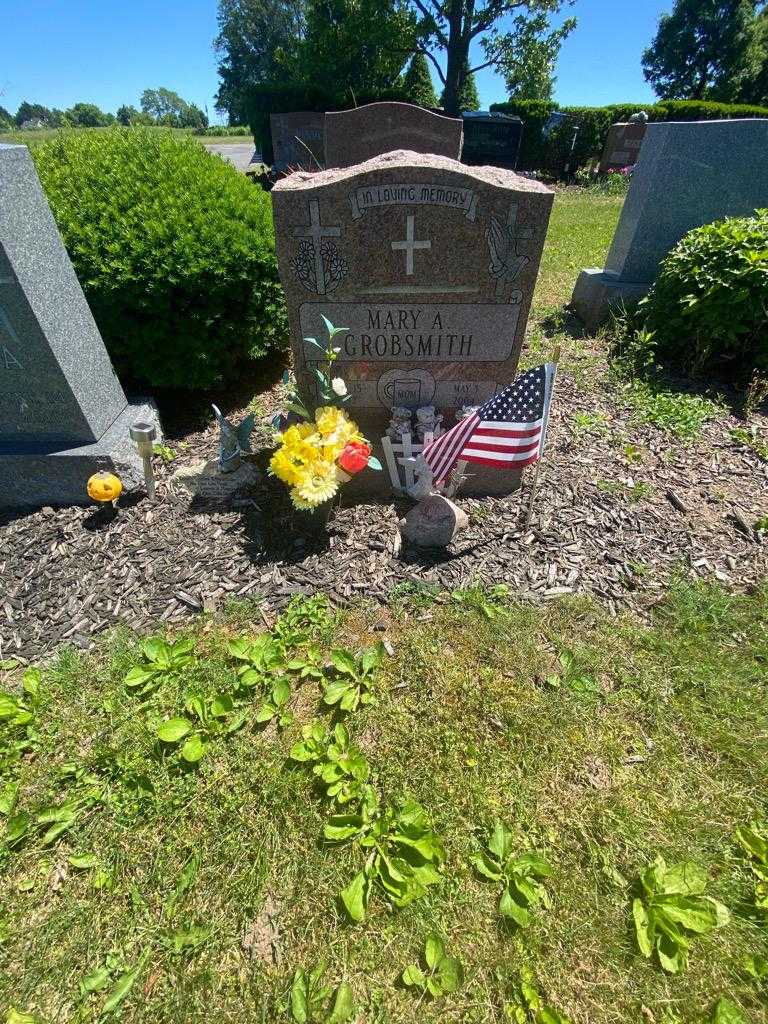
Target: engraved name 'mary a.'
(443,332)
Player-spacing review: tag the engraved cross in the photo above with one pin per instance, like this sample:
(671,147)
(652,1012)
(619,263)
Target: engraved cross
(409,244)
(317,232)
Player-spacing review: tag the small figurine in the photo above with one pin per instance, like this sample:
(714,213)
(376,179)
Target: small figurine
(428,422)
(400,424)
(233,441)
(466,410)
(424,485)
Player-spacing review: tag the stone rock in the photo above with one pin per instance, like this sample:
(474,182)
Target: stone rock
(687,174)
(63,413)
(434,522)
(352,136)
(430,265)
(204,480)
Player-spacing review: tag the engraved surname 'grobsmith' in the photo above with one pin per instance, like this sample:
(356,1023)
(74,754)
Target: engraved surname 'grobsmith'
(406,334)
(446,332)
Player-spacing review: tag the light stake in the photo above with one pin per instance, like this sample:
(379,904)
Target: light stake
(143,435)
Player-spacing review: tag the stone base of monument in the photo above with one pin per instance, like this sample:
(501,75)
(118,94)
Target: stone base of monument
(206,482)
(31,477)
(598,291)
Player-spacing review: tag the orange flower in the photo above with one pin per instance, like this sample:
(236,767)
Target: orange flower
(355,456)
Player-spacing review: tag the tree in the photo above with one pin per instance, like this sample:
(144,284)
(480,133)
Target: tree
(355,46)
(255,37)
(418,82)
(6,120)
(87,115)
(755,89)
(469,98)
(168,108)
(448,28)
(704,49)
(534,78)
(126,114)
(32,112)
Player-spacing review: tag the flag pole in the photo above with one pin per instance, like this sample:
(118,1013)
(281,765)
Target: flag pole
(537,471)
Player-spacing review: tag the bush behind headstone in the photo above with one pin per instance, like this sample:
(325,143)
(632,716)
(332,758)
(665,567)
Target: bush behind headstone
(174,250)
(708,308)
(594,122)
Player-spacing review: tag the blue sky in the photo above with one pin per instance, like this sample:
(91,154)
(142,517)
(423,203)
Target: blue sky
(58,52)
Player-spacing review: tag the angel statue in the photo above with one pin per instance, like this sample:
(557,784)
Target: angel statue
(502,245)
(233,441)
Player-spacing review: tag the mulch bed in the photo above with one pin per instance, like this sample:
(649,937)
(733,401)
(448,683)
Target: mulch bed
(69,574)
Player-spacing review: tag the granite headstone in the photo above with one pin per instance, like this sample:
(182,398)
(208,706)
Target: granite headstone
(353,136)
(298,140)
(429,263)
(63,413)
(622,146)
(687,174)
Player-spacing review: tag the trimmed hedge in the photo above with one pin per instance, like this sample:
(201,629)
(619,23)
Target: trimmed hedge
(174,250)
(263,100)
(594,122)
(708,308)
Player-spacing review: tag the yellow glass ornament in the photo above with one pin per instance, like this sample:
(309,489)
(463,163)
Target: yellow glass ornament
(104,487)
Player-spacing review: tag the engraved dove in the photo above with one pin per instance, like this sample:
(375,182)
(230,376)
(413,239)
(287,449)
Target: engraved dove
(502,245)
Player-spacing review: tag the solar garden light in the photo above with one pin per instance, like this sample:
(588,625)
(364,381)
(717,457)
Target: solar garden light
(143,435)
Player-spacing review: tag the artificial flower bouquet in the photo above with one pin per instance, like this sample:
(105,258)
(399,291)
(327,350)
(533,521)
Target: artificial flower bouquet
(325,448)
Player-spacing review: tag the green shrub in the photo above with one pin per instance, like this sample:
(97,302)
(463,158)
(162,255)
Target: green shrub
(221,130)
(174,250)
(594,123)
(708,308)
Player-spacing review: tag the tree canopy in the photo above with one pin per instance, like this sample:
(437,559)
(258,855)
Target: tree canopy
(706,49)
(417,82)
(449,27)
(167,107)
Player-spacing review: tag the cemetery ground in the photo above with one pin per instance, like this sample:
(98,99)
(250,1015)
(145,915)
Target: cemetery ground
(598,684)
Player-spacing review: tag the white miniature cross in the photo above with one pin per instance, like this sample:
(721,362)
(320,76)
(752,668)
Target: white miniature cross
(317,232)
(409,244)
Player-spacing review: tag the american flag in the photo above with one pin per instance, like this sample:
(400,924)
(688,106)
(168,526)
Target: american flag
(507,432)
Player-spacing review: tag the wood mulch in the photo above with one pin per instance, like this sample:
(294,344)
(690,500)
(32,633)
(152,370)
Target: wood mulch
(69,574)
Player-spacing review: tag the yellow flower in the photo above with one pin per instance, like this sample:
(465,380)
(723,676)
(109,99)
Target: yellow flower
(319,483)
(296,434)
(299,502)
(290,462)
(327,418)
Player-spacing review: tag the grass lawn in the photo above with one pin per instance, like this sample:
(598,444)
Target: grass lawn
(580,231)
(148,889)
(35,136)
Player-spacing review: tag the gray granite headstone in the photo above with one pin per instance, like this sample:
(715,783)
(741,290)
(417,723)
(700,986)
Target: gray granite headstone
(63,413)
(352,136)
(298,140)
(687,174)
(429,264)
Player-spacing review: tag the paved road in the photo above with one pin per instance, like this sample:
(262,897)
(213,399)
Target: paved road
(241,155)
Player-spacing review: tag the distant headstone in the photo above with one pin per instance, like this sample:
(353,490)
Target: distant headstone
(622,146)
(298,140)
(63,413)
(688,174)
(491,138)
(430,264)
(352,136)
